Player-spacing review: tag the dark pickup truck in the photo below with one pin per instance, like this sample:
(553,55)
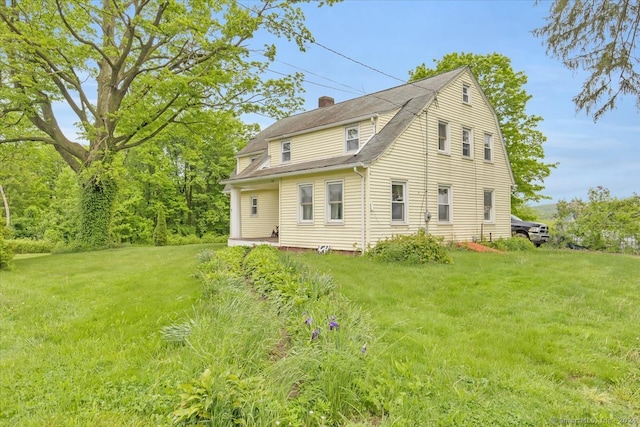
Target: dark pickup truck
(537,232)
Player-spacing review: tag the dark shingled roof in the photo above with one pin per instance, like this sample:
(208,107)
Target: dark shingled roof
(409,98)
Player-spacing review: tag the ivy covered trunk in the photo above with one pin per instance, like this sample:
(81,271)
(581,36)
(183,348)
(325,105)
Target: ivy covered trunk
(96,210)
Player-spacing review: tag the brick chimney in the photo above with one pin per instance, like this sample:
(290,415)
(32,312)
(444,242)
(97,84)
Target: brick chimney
(325,101)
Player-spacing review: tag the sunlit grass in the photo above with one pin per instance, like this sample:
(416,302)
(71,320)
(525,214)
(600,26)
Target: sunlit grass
(495,339)
(505,339)
(80,342)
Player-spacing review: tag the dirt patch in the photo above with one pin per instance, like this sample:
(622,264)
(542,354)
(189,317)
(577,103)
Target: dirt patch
(477,247)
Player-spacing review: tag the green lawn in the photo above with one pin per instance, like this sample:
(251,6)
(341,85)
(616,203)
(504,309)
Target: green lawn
(531,338)
(79,336)
(526,338)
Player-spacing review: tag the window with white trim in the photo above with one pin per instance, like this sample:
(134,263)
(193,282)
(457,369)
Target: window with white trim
(488,147)
(443,137)
(398,201)
(466,94)
(444,203)
(352,138)
(488,206)
(467,142)
(305,196)
(254,205)
(286,151)
(335,205)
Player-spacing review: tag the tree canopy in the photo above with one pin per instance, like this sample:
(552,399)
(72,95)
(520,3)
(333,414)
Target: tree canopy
(601,37)
(132,71)
(504,88)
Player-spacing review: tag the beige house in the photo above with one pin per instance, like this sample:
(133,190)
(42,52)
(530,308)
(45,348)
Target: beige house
(427,154)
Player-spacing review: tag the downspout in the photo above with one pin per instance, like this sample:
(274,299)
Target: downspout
(355,170)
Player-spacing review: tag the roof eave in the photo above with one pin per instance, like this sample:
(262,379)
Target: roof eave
(295,173)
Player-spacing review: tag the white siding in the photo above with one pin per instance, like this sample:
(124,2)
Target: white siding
(325,143)
(407,160)
(344,236)
(262,224)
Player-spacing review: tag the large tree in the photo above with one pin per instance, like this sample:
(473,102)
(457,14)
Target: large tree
(601,37)
(130,71)
(504,88)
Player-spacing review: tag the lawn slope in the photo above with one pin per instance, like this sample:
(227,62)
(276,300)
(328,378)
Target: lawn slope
(530,338)
(79,336)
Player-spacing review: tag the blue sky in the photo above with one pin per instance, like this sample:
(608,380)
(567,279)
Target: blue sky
(396,36)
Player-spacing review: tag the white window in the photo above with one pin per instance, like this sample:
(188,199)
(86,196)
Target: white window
(398,201)
(305,192)
(286,151)
(443,137)
(467,142)
(466,94)
(254,205)
(351,136)
(334,201)
(444,203)
(488,147)
(488,205)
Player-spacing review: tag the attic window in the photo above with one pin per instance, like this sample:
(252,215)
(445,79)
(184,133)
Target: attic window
(352,140)
(286,151)
(466,94)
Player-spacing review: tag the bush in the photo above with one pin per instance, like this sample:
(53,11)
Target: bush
(6,254)
(419,248)
(511,244)
(28,246)
(192,239)
(160,233)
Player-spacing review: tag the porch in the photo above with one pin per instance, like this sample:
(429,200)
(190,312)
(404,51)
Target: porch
(255,241)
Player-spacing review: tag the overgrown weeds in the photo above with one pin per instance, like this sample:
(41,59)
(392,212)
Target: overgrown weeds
(418,248)
(314,368)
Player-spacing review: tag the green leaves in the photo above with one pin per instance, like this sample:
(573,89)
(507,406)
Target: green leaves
(602,38)
(504,87)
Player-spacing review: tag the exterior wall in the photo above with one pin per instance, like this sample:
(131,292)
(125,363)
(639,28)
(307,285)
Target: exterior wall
(242,163)
(324,143)
(262,224)
(344,236)
(407,161)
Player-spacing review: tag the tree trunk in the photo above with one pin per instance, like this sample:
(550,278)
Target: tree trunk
(6,207)
(97,202)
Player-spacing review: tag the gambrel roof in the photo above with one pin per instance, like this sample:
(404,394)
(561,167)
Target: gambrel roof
(409,99)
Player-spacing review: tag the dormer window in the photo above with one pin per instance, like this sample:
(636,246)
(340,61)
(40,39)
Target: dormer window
(352,139)
(286,151)
(466,94)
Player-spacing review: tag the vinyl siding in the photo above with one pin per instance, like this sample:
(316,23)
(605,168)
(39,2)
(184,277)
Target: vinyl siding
(405,161)
(262,224)
(243,162)
(343,236)
(324,143)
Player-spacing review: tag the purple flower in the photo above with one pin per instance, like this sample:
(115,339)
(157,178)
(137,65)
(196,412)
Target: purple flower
(315,334)
(308,320)
(364,348)
(333,324)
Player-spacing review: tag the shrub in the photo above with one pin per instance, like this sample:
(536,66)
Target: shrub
(511,244)
(28,246)
(160,233)
(419,248)
(6,254)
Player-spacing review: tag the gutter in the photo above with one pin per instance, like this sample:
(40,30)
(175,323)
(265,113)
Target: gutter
(362,206)
(293,173)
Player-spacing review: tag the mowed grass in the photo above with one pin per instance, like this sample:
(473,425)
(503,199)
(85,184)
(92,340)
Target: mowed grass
(80,341)
(534,338)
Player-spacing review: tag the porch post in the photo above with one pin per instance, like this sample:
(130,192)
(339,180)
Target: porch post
(235,226)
